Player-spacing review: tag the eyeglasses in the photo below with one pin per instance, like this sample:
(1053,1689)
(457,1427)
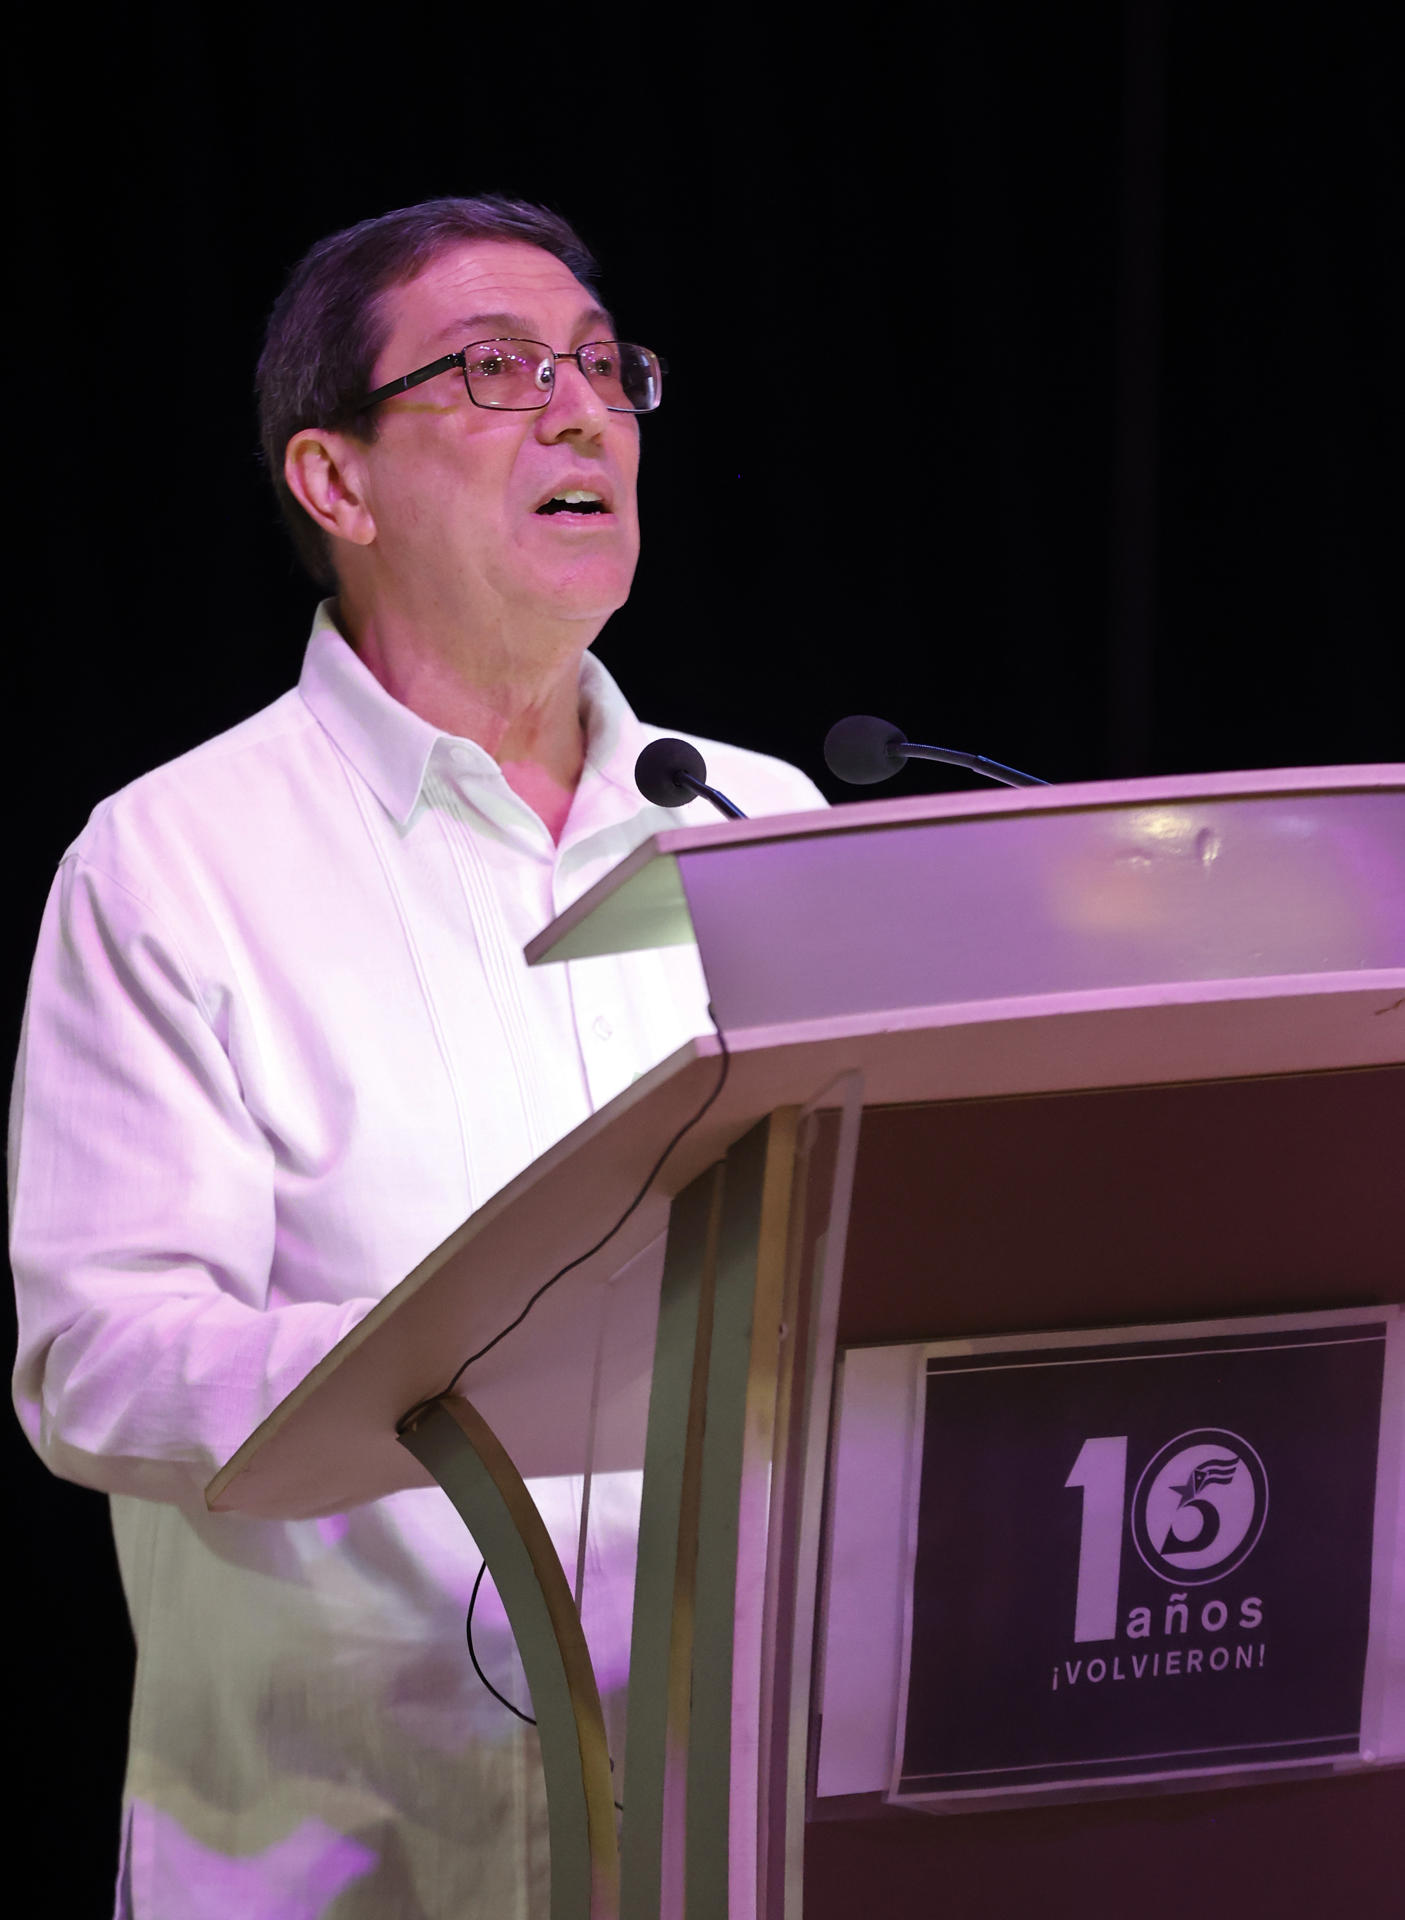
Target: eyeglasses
(519,376)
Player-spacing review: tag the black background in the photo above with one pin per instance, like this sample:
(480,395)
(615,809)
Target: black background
(1137,511)
(997,1557)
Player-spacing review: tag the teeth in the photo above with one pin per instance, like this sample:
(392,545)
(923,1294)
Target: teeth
(578,496)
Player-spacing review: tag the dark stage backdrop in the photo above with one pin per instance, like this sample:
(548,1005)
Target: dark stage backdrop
(1035,383)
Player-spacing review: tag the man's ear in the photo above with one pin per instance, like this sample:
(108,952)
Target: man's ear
(326,476)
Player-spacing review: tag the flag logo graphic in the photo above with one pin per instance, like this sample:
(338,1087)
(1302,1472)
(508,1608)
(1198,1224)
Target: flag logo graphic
(1200,1506)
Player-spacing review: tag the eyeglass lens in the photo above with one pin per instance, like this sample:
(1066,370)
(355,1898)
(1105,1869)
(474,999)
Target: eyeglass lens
(519,374)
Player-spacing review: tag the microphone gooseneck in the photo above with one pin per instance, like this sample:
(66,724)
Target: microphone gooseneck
(670,773)
(863,750)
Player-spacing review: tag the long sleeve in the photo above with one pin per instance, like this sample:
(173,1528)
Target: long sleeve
(142,1211)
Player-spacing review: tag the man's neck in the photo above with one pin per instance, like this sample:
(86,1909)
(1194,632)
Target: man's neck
(518,698)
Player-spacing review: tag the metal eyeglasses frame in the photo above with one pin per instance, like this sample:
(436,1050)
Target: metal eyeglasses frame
(460,359)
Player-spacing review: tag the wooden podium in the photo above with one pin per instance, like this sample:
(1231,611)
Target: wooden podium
(994,1062)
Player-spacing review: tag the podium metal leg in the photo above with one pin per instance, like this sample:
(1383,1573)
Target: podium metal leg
(455,1444)
(724,1596)
(700,1595)
(661,1640)
(724,1586)
(724,1743)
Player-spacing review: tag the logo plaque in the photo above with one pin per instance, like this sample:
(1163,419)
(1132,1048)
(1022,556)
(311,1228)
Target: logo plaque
(1142,1555)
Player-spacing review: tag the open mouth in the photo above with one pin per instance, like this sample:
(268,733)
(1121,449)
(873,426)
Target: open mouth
(577,500)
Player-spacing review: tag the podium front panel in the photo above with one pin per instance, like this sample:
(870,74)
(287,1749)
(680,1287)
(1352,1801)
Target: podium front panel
(1115,1208)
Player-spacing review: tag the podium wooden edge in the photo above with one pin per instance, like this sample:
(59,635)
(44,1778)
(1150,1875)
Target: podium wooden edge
(700,1051)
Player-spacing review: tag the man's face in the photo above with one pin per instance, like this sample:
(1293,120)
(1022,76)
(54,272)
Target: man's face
(455,488)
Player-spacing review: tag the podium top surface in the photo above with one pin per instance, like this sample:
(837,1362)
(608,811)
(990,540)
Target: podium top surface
(1167,822)
(900,913)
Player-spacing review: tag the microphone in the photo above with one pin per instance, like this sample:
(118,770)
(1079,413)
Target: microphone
(670,773)
(864,750)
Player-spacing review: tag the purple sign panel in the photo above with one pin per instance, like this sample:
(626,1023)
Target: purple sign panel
(1148,1558)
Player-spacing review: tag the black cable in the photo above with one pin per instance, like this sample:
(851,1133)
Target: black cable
(421,1406)
(502,1698)
(468,1629)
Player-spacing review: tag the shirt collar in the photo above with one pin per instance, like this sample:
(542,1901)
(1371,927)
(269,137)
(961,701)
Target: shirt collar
(392,748)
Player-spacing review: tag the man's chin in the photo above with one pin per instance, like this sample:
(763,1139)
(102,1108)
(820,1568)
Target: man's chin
(582,592)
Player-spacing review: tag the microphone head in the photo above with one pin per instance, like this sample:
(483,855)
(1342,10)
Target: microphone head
(657,769)
(863,749)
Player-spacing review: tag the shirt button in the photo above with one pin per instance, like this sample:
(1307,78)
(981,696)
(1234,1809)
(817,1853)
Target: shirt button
(601,1027)
(461,756)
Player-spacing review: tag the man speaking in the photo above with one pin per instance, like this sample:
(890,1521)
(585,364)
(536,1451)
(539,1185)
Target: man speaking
(280,1040)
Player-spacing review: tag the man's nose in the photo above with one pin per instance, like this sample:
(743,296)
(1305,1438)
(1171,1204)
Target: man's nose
(574,407)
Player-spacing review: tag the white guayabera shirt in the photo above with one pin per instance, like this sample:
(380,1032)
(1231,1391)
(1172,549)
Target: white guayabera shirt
(280,1040)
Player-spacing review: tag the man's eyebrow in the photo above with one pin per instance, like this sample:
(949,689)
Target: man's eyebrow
(490,326)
